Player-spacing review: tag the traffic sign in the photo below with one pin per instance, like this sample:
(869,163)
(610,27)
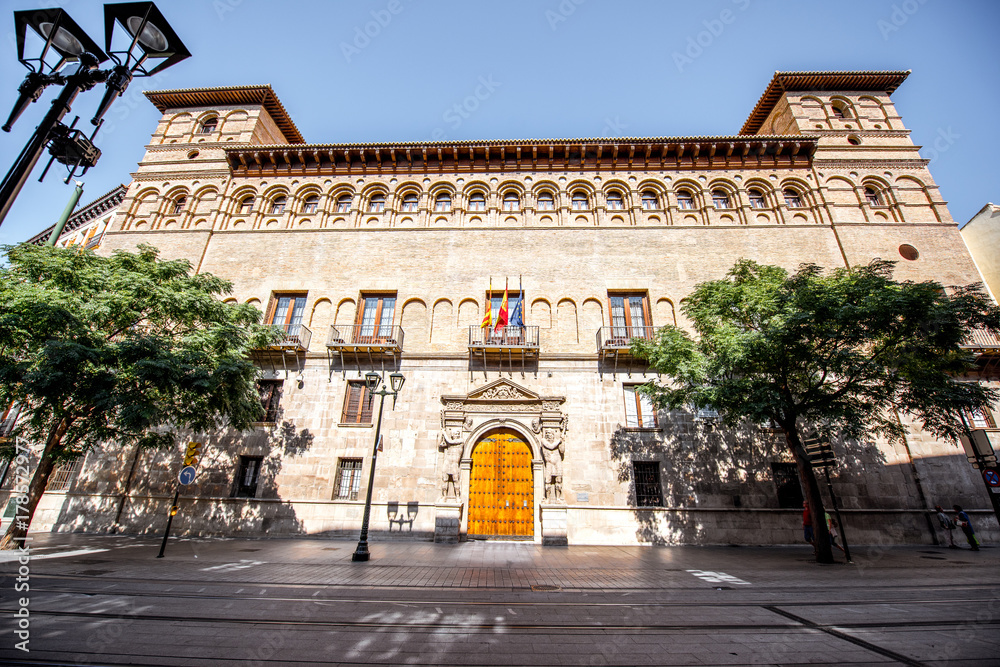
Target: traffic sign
(991,477)
(186,475)
(192,453)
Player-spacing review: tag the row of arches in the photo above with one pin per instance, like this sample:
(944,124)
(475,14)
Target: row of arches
(566,323)
(208,125)
(757,199)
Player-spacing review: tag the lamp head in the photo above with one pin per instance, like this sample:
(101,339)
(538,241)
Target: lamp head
(148,35)
(396,380)
(59,32)
(372,380)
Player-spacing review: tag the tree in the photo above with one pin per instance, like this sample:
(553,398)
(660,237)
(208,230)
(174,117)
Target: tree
(838,352)
(126,349)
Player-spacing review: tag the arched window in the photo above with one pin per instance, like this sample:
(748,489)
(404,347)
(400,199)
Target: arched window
(757,199)
(792,198)
(442,202)
(838,110)
(685,200)
(208,125)
(872,195)
(278,205)
(649,200)
(477,201)
(579,201)
(615,201)
(376,203)
(178,206)
(720,199)
(246,205)
(546,202)
(310,204)
(511,202)
(410,201)
(343,204)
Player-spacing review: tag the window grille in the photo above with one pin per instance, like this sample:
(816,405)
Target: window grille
(247,476)
(648,490)
(348,479)
(63,476)
(786,480)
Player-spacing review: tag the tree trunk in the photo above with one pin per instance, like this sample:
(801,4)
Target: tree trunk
(18,529)
(814,501)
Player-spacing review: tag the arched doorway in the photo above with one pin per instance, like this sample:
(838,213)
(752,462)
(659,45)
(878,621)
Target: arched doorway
(501,488)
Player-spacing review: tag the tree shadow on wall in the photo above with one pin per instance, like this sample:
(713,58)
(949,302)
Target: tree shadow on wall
(712,477)
(218,502)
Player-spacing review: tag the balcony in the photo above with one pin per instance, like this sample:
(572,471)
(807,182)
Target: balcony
(523,340)
(94,242)
(296,337)
(985,345)
(615,341)
(365,341)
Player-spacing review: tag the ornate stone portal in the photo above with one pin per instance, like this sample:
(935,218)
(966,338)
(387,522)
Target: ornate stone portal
(500,404)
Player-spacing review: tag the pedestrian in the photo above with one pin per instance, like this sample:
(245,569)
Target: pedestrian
(807,525)
(831,526)
(963,522)
(947,525)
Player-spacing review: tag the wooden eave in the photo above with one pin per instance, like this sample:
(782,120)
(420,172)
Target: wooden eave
(782,82)
(619,154)
(228,96)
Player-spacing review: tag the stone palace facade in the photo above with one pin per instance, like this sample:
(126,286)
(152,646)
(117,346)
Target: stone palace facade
(385,257)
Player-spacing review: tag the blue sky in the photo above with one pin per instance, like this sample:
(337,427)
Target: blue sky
(394,70)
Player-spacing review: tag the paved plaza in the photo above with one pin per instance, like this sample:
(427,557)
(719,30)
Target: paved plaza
(103,600)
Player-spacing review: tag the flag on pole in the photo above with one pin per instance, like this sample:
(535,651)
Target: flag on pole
(502,315)
(516,317)
(488,317)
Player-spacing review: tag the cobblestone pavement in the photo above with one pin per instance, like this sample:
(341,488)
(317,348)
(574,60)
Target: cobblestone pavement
(108,600)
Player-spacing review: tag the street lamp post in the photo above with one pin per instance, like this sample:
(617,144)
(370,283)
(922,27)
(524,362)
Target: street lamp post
(149,37)
(372,380)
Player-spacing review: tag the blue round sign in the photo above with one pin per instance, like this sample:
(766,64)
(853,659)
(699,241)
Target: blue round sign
(186,475)
(991,477)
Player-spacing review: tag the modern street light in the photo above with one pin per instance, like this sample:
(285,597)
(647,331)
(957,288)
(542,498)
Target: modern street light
(372,380)
(149,37)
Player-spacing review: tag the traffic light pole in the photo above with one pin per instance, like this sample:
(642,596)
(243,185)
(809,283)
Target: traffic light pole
(170,520)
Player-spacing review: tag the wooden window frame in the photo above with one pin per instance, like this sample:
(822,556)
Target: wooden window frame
(618,197)
(575,200)
(272,310)
(359,414)
(627,305)
(246,205)
(278,205)
(509,198)
(310,204)
(474,201)
(209,125)
(873,196)
(442,202)
(637,399)
(685,200)
(270,398)
(354,468)
(793,198)
(548,196)
(379,326)
(758,200)
(343,204)
(508,335)
(649,200)
(410,203)
(721,197)
(986,418)
(178,205)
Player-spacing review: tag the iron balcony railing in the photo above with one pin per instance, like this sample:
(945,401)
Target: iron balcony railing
(982,339)
(94,242)
(510,337)
(365,337)
(295,336)
(614,339)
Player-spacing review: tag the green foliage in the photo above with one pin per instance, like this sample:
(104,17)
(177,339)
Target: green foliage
(127,348)
(837,350)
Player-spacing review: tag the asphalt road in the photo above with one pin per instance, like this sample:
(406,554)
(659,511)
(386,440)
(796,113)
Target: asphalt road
(108,600)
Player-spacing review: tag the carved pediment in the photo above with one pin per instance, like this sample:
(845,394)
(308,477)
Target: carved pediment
(502,392)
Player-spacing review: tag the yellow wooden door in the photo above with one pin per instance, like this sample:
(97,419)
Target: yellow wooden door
(501,488)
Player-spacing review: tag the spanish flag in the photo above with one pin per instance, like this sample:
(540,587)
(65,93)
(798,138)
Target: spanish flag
(488,317)
(502,315)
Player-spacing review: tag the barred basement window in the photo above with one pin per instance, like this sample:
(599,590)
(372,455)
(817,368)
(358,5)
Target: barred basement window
(63,476)
(648,492)
(247,477)
(357,407)
(348,479)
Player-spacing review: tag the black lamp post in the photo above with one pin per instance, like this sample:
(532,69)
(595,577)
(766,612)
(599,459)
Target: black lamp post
(372,380)
(149,37)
